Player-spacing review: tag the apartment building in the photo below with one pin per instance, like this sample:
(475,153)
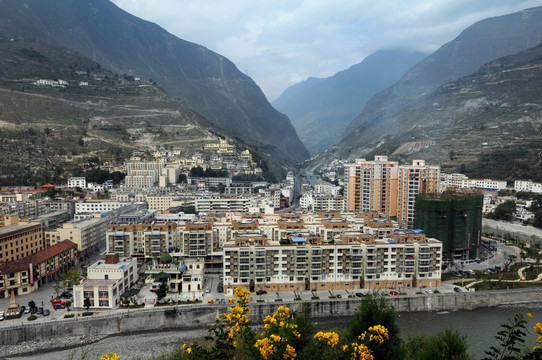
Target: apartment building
(18,238)
(528,186)
(80,182)
(142,240)
(372,185)
(414,179)
(222,204)
(351,262)
(106,281)
(328,203)
(25,275)
(142,174)
(88,234)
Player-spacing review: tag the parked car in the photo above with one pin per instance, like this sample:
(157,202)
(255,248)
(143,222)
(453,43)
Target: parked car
(429,291)
(59,306)
(46,312)
(395,293)
(66,295)
(207,290)
(339,296)
(456,289)
(22,309)
(359,295)
(210,302)
(1,315)
(27,310)
(261,292)
(58,301)
(40,311)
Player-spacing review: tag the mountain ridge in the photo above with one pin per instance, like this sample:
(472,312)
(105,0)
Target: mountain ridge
(321,108)
(207,82)
(481,42)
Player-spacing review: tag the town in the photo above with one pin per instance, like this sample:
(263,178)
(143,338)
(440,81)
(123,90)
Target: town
(171,234)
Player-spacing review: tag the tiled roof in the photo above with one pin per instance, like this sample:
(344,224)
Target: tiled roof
(53,250)
(14,266)
(39,257)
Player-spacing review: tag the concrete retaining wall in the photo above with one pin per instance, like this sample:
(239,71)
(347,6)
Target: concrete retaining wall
(187,317)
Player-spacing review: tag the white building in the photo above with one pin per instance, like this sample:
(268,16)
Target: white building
(528,186)
(105,283)
(74,182)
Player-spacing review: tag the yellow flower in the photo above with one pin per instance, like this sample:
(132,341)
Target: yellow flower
(530,315)
(110,356)
(188,350)
(538,328)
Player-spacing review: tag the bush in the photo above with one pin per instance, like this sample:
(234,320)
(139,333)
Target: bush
(67,316)
(32,317)
(87,313)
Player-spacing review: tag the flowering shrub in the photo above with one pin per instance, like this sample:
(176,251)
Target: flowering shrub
(110,356)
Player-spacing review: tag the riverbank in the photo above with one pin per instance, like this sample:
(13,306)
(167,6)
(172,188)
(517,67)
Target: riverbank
(80,331)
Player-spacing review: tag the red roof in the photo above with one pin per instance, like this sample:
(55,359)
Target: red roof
(39,257)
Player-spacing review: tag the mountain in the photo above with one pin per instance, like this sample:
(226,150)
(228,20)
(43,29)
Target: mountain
(482,42)
(486,125)
(89,116)
(207,82)
(321,109)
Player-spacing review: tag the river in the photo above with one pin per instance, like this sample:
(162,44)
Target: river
(479,326)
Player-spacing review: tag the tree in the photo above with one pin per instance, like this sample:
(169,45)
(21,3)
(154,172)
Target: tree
(374,310)
(504,211)
(87,304)
(31,304)
(57,286)
(68,305)
(182,178)
(449,345)
(162,291)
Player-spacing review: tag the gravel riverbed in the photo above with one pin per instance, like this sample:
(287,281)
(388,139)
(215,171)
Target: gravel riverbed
(131,346)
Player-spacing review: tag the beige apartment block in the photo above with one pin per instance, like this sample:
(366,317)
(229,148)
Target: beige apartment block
(88,234)
(351,262)
(19,238)
(372,185)
(414,179)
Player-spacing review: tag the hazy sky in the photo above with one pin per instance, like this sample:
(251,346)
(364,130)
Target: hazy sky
(281,42)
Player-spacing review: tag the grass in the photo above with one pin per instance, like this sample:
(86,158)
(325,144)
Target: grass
(494,285)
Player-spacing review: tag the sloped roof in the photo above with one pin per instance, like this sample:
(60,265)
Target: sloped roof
(39,257)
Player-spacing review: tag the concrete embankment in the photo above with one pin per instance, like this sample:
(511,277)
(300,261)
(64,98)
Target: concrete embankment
(187,317)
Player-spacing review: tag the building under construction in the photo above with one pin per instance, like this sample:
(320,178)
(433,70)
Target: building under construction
(455,218)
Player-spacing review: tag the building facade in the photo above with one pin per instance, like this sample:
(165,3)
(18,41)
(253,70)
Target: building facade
(19,239)
(106,281)
(27,274)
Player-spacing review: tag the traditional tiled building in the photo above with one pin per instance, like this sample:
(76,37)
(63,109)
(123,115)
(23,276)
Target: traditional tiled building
(27,274)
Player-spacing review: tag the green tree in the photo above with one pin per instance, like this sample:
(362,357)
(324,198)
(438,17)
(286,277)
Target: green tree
(449,345)
(374,310)
(87,304)
(68,305)
(57,286)
(504,211)
(182,178)
(161,292)
(31,304)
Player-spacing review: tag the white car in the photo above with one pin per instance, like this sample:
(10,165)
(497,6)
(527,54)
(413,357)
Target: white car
(207,290)
(1,315)
(429,291)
